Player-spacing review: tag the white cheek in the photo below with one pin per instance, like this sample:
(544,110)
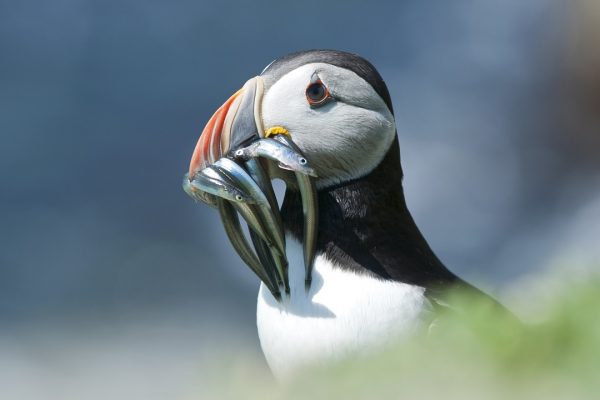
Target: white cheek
(341,141)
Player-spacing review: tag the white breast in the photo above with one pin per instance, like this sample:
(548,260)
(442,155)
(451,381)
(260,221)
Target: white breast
(343,312)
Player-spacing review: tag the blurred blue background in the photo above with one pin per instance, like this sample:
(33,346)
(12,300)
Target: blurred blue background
(105,262)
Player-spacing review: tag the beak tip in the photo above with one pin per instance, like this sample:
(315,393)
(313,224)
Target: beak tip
(193,170)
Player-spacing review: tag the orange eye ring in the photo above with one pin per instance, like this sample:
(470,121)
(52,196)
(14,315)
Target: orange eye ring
(317,94)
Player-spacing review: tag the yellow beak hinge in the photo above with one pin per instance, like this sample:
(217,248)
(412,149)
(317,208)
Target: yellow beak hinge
(276,130)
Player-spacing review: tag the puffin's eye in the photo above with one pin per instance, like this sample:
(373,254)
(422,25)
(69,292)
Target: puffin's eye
(317,94)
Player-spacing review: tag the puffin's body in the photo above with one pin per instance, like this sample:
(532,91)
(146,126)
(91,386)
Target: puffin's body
(344,312)
(374,277)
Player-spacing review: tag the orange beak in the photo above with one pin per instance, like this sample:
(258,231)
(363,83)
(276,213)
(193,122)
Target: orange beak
(236,123)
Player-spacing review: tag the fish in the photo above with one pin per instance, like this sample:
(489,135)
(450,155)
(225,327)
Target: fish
(220,185)
(208,182)
(197,194)
(257,172)
(239,185)
(260,216)
(286,157)
(310,211)
(233,229)
(266,258)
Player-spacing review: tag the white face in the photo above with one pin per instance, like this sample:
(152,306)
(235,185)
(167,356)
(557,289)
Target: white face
(343,139)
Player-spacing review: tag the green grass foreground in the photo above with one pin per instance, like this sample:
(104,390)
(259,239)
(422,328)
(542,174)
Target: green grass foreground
(477,354)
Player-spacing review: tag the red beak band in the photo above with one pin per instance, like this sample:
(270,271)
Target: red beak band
(236,123)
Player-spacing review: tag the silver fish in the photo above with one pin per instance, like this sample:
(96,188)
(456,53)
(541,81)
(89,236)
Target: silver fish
(310,210)
(247,190)
(260,176)
(217,182)
(216,189)
(235,174)
(198,195)
(202,185)
(271,149)
(279,261)
(260,217)
(233,229)
(252,216)
(266,258)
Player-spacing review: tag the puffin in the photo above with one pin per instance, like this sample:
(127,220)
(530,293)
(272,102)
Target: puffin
(373,276)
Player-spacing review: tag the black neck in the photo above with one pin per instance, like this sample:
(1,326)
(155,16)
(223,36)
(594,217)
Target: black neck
(365,226)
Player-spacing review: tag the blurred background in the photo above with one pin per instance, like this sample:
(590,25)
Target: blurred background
(115,284)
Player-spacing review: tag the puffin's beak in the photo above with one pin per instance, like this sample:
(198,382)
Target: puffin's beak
(235,124)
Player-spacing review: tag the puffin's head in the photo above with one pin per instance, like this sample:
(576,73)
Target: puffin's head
(334,105)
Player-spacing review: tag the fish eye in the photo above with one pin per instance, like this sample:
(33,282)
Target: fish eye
(239,197)
(303,161)
(317,94)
